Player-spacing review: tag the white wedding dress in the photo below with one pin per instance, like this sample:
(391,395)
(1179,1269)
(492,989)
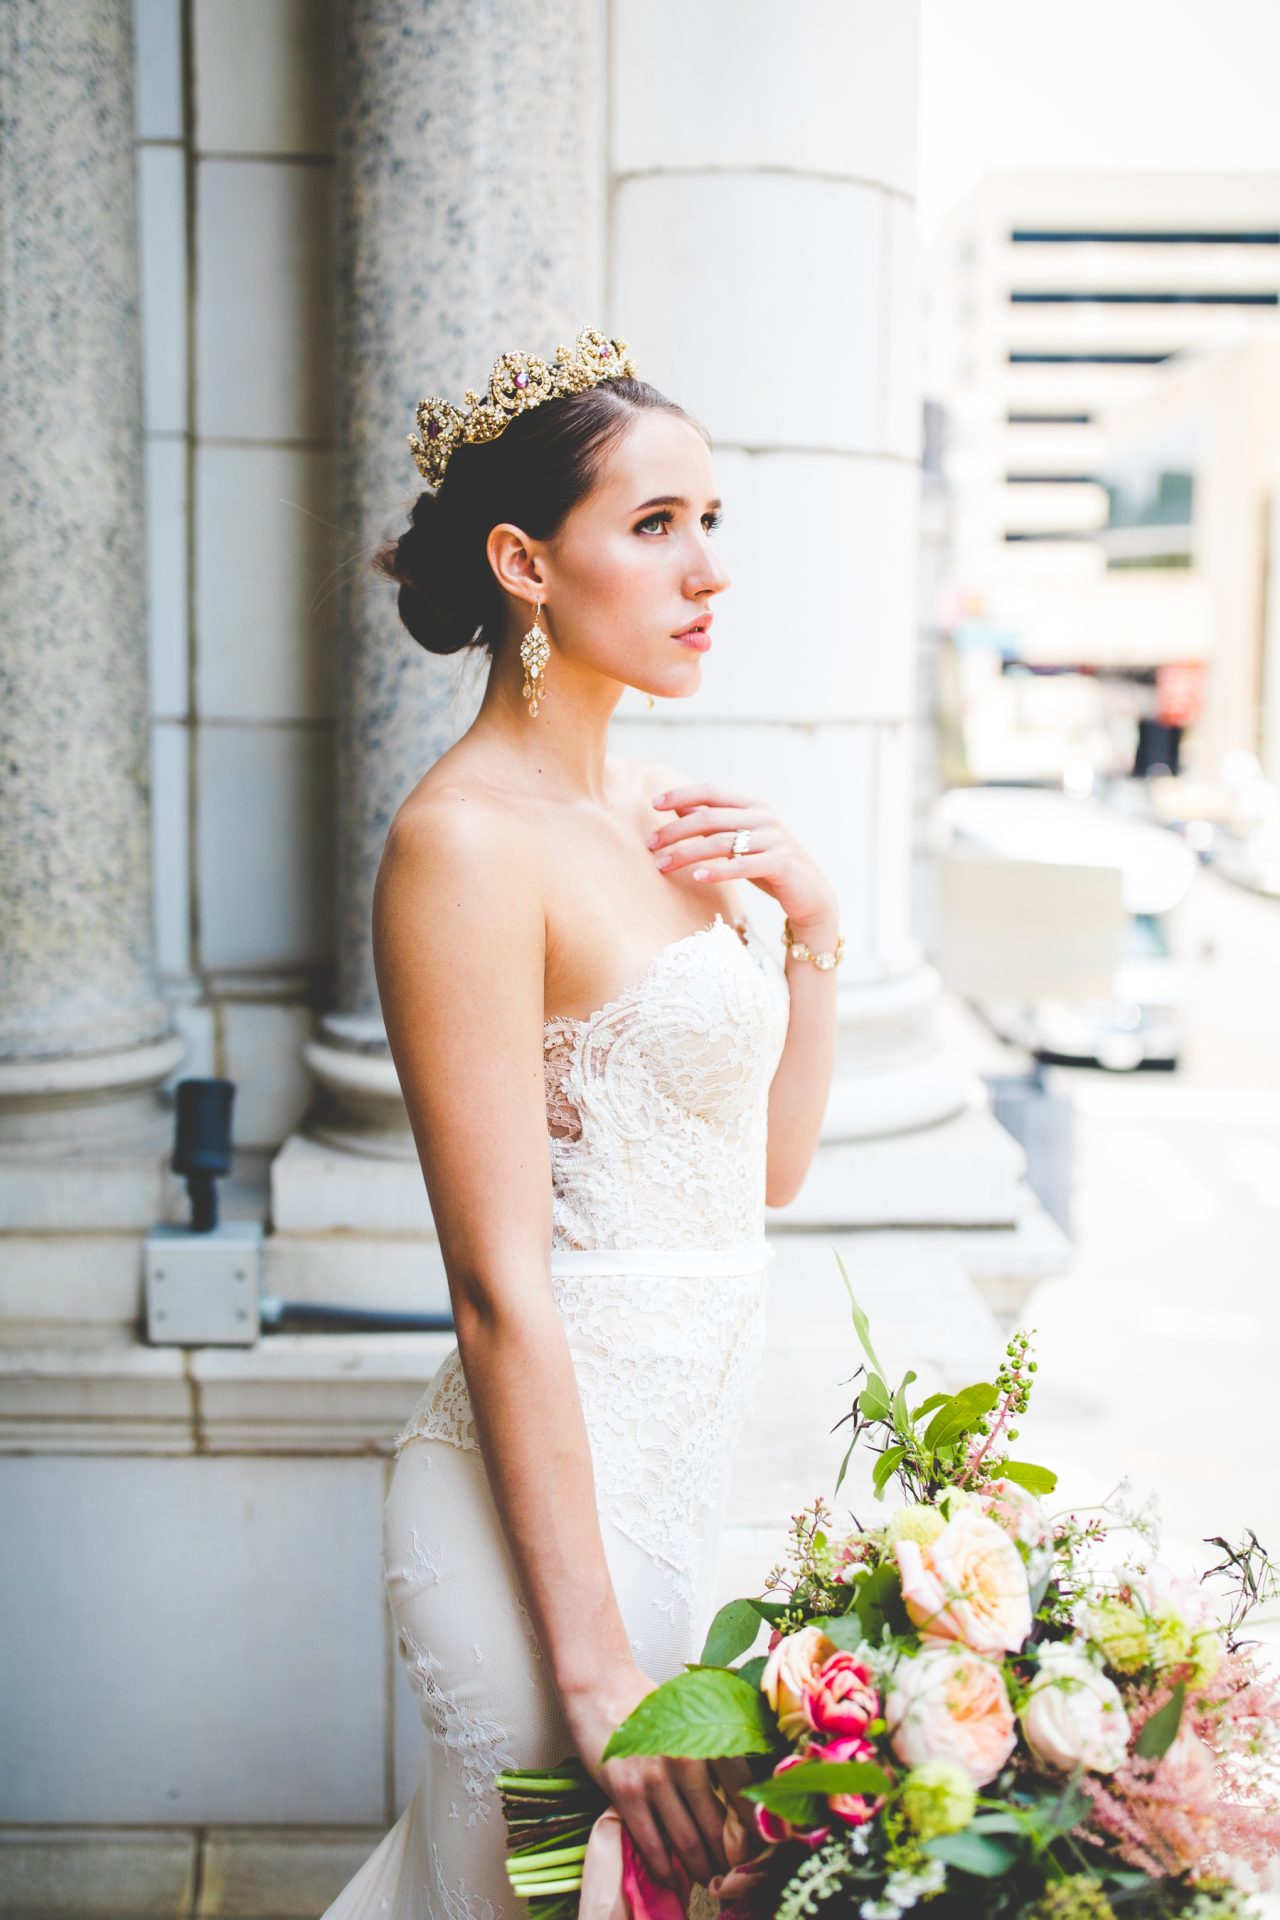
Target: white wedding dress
(656,1121)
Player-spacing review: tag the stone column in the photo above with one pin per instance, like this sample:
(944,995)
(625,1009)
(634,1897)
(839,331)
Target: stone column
(85,1036)
(471,219)
(763,269)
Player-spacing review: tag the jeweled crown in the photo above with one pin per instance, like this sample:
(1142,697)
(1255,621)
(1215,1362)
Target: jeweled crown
(518,381)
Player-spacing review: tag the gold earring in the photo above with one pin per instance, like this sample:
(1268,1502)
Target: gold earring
(534,652)
(649,698)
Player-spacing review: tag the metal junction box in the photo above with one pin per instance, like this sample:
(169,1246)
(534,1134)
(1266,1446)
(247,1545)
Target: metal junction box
(202,1289)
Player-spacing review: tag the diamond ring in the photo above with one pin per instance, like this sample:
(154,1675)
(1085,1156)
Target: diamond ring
(741,843)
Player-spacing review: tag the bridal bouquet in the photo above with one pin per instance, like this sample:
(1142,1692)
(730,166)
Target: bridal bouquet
(968,1705)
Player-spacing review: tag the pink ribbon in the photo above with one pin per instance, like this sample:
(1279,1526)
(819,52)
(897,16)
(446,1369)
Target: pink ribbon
(616,1884)
(602,1897)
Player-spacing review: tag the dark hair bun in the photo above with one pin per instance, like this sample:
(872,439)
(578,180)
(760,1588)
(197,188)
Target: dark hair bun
(431,598)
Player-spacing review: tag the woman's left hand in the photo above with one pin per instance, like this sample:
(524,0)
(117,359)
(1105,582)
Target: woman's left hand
(701,835)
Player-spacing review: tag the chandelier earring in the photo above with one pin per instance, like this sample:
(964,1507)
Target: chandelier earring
(534,653)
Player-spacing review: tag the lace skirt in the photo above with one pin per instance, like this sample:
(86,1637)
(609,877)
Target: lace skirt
(667,1349)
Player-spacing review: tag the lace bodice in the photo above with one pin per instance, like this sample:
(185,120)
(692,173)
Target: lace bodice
(656,1104)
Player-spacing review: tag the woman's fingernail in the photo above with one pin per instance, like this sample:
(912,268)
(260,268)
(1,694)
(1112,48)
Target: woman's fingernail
(658,799)
(663,860)
(652,841)
(699,873)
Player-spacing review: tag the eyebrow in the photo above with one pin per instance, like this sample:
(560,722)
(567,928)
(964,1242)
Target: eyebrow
(673,500)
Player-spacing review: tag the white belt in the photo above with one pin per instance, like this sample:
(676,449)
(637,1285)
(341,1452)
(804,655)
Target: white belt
(723,1261)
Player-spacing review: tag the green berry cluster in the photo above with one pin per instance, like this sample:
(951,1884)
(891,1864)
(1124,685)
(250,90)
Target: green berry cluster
(1013,1384)
(1075,1898)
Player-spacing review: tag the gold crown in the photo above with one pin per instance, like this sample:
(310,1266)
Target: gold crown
(518,381)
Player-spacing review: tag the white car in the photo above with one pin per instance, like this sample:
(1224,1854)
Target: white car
(1140,1025)
(1137,1024)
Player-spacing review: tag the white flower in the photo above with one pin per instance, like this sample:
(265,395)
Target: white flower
(1073,1714)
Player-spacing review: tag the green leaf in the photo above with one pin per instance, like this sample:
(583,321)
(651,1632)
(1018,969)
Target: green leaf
(1000,1823)
(961,1412)
(901,1418)
(700,1715)
(843,1630)
(844,1464)
(873,1596)
(927,1406)
(972,1853)
(1037,1480)
(821,1777)
(873,1401)
(770,1610)
(731,1632)
(862,1326)
(884,1469)
(751,1670)
(1161,1730)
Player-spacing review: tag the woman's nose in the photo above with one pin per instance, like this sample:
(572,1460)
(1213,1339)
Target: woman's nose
(711,576)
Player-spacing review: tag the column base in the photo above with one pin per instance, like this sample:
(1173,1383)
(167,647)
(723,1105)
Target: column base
(84,1102)
(360,1108)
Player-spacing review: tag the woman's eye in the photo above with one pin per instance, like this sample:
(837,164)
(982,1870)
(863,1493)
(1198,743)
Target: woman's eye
(709,520)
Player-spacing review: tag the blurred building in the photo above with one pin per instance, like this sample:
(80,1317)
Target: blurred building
(1055,301)
(246,239)
(1049,299)
(1192,543)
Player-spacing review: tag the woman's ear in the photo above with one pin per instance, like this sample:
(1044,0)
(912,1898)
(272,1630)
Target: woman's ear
(515,567)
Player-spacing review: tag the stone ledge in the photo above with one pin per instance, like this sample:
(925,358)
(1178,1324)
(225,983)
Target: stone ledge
(292,1393)
(242,1873)
(965,1172)
(133,1873)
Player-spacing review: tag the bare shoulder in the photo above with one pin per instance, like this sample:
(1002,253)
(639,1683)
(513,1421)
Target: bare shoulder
(449,825)
(459,892)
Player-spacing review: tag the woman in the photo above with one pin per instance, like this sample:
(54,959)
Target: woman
(597,1173)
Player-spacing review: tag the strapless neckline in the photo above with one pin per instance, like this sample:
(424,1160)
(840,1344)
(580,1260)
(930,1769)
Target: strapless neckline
(643,980)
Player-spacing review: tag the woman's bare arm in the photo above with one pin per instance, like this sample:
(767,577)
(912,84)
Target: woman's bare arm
(459,951)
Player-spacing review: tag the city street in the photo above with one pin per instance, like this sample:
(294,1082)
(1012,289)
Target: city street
(1159,1347)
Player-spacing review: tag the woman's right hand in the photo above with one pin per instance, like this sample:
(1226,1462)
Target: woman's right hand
(669,1805)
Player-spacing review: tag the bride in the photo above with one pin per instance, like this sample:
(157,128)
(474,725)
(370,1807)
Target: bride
(597,1173)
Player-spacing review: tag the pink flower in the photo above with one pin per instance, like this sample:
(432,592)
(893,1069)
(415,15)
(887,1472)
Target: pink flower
(791,1667)
(1017,1511)
(968,1584)
(948,1704)
(841,1699)
(773,1828)
(855,1809)
(1073,1714)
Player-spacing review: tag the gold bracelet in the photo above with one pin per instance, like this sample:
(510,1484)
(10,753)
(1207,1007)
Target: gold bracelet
(802,952)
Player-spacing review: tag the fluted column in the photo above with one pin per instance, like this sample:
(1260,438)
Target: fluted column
(84,1034)
(764,271)
(471,196)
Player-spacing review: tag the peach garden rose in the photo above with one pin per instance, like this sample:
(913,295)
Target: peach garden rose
(968,1584)
(950,1704)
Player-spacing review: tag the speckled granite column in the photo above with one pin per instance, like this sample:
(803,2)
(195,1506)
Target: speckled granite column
(471,210)
(84,1033)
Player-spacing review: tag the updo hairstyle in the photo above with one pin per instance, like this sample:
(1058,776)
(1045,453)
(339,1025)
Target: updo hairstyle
(538,469)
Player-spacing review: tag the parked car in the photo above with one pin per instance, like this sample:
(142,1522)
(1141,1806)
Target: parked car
(1139,1023)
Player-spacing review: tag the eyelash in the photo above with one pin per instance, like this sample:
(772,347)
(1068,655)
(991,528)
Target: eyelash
(667,515)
